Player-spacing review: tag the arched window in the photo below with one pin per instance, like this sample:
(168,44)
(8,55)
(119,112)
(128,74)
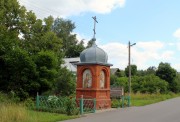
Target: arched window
(87,79)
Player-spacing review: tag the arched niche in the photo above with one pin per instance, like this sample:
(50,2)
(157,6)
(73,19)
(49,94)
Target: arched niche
(102,79)
(87,79)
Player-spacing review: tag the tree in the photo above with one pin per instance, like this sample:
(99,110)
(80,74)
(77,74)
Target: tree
(133,70)
(12,16)
(66,82)
(122,82)
(113,79)
(167,73)
(141,73)
(46,65)
(31,52)
(28,63)
(18,73)
(151,70)
(75,50)
(90,43)
(176,83)
(149,84)
(70,46)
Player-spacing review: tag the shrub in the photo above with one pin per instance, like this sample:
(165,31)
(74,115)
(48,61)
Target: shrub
(144,84)
(29,103)
(149,84)
(71,107)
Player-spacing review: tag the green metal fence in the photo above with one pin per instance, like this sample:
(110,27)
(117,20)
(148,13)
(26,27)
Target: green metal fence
(51,103)
(59,104)
(87,105)
(123,101)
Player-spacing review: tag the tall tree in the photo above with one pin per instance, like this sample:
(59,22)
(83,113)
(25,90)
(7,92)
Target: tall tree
(167,73)
(70,46)
(151,70)
(31,51)
(20,69)
(133,70)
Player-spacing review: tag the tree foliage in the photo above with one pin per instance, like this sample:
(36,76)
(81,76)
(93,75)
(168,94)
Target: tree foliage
(18,73)
(149,84)
(167,73)
(70,45)
(143,84)
(90,43)
(161,80)
(176,83)
(31,51)
(133,70)
(151,70)
(66,82)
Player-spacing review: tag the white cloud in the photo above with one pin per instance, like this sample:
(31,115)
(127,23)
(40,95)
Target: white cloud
(171,44)
(64,8)
(167,55)
(142,54)
(176,66)
(152,46)
(177,33)
(178,45)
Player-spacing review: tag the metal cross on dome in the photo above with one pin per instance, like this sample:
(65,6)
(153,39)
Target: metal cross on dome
(95,21)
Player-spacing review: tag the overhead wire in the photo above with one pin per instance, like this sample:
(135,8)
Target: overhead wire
(38,9)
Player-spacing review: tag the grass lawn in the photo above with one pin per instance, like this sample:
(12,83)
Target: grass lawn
(145,99)
(47,117)
(18,113)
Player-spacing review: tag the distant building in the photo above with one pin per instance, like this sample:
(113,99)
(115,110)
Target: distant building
(69,63)
(115,71)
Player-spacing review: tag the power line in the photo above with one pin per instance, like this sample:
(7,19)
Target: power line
(37,8)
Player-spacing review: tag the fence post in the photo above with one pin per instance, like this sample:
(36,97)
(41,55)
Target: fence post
(94,101)
(122,101)
(129,101)
(118,102)
(37,101)
(81,105)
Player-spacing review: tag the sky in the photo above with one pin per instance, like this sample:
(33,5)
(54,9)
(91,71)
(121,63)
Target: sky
(154,25)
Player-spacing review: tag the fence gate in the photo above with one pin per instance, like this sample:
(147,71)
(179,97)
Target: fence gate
(86,105)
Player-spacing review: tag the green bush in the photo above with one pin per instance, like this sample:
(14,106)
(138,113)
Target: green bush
(149,84)
(3,98)
(71,107)
(29,103)
(143,84)
(123,82)
(115,103)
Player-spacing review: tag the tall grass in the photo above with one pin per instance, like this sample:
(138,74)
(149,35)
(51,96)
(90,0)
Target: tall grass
(140,99)
(19,113)
(12,113)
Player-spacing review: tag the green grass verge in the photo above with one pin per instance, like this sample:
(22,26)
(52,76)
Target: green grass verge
(18,113)
(145,99)
(47,117)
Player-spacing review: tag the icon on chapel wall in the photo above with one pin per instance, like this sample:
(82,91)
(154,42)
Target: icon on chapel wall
(102,79)
(87,79)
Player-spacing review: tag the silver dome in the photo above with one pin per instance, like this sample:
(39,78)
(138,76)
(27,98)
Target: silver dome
(94,54)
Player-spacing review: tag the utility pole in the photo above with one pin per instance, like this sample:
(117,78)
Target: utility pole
(129,78)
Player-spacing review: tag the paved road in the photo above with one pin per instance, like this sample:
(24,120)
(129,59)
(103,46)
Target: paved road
(166,111)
